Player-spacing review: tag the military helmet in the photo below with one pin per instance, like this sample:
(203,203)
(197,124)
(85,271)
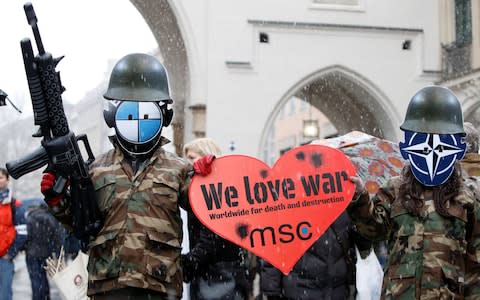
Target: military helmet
(138,77)
(434,109)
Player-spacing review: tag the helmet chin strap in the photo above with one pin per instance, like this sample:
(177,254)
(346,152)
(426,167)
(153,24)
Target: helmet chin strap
(139,154)
(137,159)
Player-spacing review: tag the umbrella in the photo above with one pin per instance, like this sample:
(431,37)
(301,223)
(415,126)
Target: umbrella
(375,159)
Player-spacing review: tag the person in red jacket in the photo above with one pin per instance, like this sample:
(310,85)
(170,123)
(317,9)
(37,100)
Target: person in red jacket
(7,236)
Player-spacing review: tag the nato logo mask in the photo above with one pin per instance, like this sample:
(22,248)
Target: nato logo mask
(138,122)
(432,156)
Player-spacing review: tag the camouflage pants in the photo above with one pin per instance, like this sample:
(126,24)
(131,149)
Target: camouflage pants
(131,293)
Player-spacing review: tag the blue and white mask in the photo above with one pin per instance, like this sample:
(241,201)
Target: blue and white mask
(432,156)
(138,125)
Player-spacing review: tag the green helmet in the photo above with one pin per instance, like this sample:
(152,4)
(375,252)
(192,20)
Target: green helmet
(434,109)
(138,77)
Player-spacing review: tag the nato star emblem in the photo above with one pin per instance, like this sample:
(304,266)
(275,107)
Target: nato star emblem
(432,155)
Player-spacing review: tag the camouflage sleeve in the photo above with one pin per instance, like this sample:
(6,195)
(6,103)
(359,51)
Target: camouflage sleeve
(372,216)
(472,263)
(187,179)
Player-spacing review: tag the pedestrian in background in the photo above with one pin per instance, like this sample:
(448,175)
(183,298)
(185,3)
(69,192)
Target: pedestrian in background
(215,267)
(326,271)
(71,246)
(12,235)
(45,237)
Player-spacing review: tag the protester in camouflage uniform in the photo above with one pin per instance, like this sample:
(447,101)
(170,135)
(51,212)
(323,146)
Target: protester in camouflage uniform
(139,186)
(433,230)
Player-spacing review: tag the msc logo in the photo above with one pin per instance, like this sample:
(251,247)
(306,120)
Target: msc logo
(285,233)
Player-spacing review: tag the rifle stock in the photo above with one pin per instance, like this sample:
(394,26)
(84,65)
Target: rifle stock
(31,162)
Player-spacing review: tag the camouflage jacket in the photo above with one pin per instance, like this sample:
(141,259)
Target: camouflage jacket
(430,256)
(471,164)
(140,243)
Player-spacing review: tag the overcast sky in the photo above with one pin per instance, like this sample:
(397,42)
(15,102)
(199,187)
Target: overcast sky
(89,33)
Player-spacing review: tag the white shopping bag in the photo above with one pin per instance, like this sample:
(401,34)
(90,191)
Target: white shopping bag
(369,277)
(72,281)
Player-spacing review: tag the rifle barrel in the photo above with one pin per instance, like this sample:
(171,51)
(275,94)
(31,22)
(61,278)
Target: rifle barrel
(32,21)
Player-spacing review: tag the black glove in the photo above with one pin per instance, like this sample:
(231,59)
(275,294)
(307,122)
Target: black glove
(188,268)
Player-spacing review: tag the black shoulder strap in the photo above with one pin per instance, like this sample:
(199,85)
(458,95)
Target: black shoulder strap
(13,205)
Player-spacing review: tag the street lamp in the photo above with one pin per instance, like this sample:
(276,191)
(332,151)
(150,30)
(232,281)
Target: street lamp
(3,96)
(3,101)
(311,129)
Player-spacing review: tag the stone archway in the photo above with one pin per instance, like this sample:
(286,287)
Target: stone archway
(468,92)
(164,24)
(350,101)
(472,115)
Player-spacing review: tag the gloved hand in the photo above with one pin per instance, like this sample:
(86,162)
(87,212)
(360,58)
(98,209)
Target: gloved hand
(203,165)
(359,186)
(46,187)
(189,268)
(360,197)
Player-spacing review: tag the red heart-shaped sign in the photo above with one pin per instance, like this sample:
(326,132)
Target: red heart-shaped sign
(277,213)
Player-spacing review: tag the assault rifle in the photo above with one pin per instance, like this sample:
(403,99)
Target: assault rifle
(59,147)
